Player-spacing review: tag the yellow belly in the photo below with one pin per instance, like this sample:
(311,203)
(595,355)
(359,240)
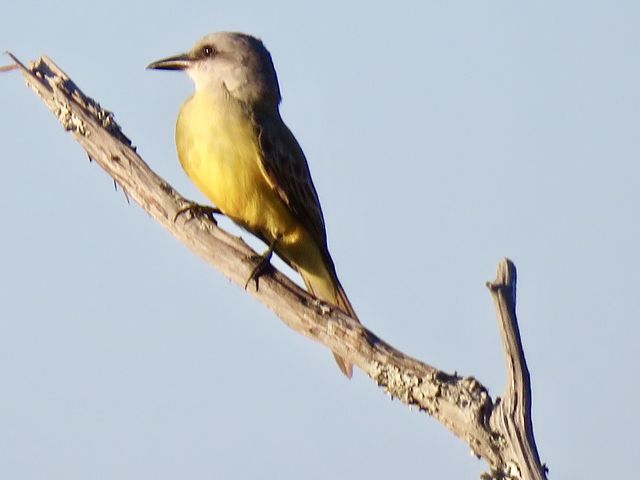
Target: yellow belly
(218,148)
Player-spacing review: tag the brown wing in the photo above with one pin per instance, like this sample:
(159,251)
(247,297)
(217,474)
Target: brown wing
(285,167)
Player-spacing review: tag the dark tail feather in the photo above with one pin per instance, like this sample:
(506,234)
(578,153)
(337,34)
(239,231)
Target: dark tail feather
(344,366)
(345,304)
(328,288)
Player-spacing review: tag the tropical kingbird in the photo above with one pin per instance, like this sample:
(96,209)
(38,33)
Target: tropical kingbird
(233,144)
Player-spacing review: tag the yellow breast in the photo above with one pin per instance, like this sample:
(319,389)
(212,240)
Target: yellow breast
(218,148)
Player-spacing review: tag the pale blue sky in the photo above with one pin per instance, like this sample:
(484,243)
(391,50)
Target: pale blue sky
(441,136)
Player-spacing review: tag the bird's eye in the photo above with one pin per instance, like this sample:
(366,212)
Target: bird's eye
(207,51)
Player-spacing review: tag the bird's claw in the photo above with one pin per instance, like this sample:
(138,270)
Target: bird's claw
(264,262)
(197,210)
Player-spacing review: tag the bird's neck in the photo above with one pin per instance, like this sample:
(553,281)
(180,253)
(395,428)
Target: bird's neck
(218,96)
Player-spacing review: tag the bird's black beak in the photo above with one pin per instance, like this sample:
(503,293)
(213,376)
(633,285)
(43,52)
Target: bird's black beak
(177,62)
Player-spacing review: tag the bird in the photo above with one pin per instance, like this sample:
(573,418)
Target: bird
(234,145)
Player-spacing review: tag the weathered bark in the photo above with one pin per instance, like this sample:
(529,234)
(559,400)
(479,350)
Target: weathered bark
(498,431)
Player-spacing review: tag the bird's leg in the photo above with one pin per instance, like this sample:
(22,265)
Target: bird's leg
(197,210)
(264,262)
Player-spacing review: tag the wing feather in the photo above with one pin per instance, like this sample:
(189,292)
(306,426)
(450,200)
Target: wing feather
(285,167)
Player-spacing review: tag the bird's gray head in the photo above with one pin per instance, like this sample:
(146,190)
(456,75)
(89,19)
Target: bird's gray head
(233,62)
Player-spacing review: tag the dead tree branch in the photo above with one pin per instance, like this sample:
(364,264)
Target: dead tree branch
(499,432)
